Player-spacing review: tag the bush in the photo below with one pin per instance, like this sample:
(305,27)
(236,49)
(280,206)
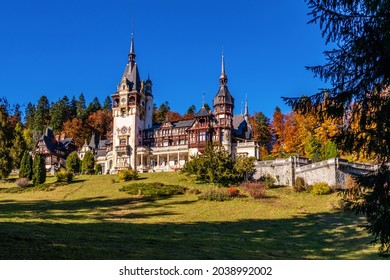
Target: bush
(320,188)
(232,192)
(214,194)
(299,185)
(88,163)
(98,169)
(154,190)
(193,191)
(73,162)
(268,181)
(39,170)
(22,182)
(254,190)
(128,175)
(26,164)
(64,176)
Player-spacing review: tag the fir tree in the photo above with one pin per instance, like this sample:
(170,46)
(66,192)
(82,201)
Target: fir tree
(42,114)
(26,169)
(81,108)
(107,104)
(73,108)
(29,115)
(39,170)
(94,106)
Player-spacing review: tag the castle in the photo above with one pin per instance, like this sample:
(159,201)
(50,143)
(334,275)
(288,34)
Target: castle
(138,143)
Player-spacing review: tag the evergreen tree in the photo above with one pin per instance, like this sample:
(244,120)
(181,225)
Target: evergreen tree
(29,115)
(73,162)
(94,106)
(107,104)
(59,114)
(42,115)
(73,108)
(191,110)
(88,163)
(39,170)
(19,145)
(5,141)
(81,108)
(26,166)
(207,107)
(357,69)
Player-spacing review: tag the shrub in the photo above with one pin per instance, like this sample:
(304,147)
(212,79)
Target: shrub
(154,190)
(255,190)
(64,176)
(268,181)
(320,188)
(73,162)
(22,182)
(88,163)
(214,194)
(98,168)
(299,185)
(128,175)
(25,170)
(232,192)
(39,170)
(193,191)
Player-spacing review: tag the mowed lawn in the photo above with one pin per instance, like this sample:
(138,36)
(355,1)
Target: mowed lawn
(92,219)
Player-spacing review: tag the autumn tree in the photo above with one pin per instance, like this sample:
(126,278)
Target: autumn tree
(278,126)
(77,130)
(262,132)
(100,122)
(357,70)
(173,116)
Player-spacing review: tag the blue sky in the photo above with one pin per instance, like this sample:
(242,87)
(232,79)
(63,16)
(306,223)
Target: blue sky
(58,48)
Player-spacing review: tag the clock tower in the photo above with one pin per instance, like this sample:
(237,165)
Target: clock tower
(132,106)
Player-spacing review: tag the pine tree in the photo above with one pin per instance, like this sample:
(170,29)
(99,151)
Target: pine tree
(81,108)
(73,162)
(107,104)
(94,106)
(59,114)
(29,115)
(358,73)
(262,131)
(88,163)
(73,108)
(5,141)
(39,170)
(19,146)
(26,166)
(42,115)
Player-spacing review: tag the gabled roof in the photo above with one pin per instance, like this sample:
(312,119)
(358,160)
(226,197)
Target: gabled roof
(202,112)
(181,124)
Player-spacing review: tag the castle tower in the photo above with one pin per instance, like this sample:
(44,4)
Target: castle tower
(223,104)
(130,113)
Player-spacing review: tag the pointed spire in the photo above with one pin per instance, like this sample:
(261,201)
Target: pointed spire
(132,53)
(246,114)
(223,77)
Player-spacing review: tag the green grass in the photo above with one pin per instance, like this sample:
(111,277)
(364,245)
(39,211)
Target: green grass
(91,219)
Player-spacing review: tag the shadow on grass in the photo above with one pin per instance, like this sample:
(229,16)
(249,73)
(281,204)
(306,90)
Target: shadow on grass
(115,234)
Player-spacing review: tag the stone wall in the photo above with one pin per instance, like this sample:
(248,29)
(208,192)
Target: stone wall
(332,171)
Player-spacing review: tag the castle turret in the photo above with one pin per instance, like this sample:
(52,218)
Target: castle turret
(223,104)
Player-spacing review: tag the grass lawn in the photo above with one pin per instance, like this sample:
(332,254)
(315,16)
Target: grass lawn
(92,219)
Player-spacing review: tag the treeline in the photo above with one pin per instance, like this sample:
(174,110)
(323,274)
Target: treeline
(73,117)
(299,134)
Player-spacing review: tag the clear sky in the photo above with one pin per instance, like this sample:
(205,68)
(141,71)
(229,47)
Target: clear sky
(58,48)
